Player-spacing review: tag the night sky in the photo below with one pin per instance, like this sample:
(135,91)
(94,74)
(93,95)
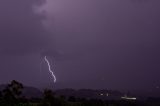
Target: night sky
(112,44)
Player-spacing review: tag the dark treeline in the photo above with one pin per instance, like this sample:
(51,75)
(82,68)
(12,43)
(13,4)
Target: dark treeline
(11,95)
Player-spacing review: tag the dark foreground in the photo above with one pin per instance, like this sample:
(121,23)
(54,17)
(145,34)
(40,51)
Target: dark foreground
(11,95)
(83,102)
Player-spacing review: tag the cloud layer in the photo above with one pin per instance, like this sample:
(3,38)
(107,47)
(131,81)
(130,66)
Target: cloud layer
(21,29)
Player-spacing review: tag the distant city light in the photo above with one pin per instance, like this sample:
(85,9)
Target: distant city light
(129,98)
(101,94)
(107,94)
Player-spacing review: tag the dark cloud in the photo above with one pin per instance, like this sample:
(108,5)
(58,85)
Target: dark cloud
(21,29)
(106,43)
(113,40)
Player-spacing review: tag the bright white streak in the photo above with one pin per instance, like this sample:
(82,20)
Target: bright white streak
(129,98)
(49,67)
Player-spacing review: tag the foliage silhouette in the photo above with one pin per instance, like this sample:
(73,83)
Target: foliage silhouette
(11,96)
(12,92)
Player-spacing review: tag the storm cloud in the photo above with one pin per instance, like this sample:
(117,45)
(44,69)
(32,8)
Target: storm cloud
(114,39)
(102,43)
(21,29)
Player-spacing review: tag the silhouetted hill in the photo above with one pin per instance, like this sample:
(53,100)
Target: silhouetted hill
(90,94)
(28,92)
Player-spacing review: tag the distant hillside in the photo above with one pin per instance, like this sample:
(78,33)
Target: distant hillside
(28,92)
(90,94)
(31,92)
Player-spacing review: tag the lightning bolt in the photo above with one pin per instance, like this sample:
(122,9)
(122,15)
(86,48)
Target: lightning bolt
(49,67)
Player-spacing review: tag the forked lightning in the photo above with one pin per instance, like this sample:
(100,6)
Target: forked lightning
(49,67)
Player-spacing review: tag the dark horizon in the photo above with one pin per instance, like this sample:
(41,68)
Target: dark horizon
(89,44)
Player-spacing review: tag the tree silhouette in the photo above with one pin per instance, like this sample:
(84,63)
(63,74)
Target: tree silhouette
(72,99)
(48,97)
(16,88)
(12,92)
(0,95)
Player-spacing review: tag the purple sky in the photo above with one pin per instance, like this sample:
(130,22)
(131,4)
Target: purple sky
(96,43)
